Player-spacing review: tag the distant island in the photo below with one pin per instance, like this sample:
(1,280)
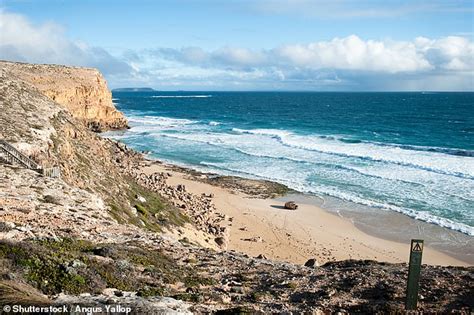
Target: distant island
(137,89)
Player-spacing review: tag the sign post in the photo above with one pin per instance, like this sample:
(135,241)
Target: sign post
(414,268)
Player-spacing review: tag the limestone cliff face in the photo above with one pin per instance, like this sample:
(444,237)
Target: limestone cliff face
(83,91)
(48,133)
(45,131)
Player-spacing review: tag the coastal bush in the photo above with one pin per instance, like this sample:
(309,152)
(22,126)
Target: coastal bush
(148,292)
(141,209)
(71,266)
(292,285)
(155,212)
(196,281)
(45,266)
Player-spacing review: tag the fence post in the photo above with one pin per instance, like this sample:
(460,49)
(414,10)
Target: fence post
(414,268)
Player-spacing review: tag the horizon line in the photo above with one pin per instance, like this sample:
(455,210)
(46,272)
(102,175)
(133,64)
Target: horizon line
(294,91)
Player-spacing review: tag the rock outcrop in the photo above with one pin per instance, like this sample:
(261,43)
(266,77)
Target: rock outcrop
(83,91)
(48,133)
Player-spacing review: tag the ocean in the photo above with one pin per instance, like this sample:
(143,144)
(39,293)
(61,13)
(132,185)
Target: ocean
(411,153)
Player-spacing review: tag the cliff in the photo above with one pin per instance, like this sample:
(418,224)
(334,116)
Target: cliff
(83,91)
(47,132)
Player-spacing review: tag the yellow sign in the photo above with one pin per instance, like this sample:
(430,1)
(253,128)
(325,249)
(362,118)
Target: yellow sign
(417,247)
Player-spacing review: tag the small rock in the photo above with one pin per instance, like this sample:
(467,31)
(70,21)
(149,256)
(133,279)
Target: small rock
(6,226)
(109,292)
(52,199)
(140,198)
(103,251)
(256,239)
(225,299)
(262,256)
(77,264)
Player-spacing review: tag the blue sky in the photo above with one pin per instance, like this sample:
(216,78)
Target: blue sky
(250,45)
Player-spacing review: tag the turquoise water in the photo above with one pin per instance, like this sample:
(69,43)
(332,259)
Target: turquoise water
(407,152)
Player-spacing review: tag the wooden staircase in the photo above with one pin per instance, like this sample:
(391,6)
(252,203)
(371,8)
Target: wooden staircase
(10,155)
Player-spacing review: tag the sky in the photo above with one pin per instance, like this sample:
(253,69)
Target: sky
(307,45)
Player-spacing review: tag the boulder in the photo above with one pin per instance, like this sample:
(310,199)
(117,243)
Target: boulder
(291,205)
(311,263)
(221,241)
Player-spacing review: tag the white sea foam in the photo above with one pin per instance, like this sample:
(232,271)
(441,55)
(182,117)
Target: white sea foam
(433,161)
(299,145)
(382,176)
(160,121)
(180,96)
(264,132)
(282,177)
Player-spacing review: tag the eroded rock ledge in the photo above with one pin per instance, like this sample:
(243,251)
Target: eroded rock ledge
(83,91)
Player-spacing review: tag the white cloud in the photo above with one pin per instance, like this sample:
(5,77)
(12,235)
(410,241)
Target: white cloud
(348,53)
(20,40)
(450,53)
(352,53)
(347,63)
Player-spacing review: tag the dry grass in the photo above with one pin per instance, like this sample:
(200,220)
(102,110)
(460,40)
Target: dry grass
(16,293)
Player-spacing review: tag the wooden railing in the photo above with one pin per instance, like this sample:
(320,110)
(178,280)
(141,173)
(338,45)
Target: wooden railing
(51,171)
(10,155)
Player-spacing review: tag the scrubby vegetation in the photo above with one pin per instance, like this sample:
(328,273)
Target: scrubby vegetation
(74,267)
(155,211)
(87,162)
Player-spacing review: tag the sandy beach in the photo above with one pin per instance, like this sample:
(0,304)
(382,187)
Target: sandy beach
(262,227)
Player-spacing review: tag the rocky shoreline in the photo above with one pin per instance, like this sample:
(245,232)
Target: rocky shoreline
(251,187)
(107,233)
(199,208)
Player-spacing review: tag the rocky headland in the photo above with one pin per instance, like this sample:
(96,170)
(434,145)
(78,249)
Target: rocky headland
(82,91)
(106,232)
